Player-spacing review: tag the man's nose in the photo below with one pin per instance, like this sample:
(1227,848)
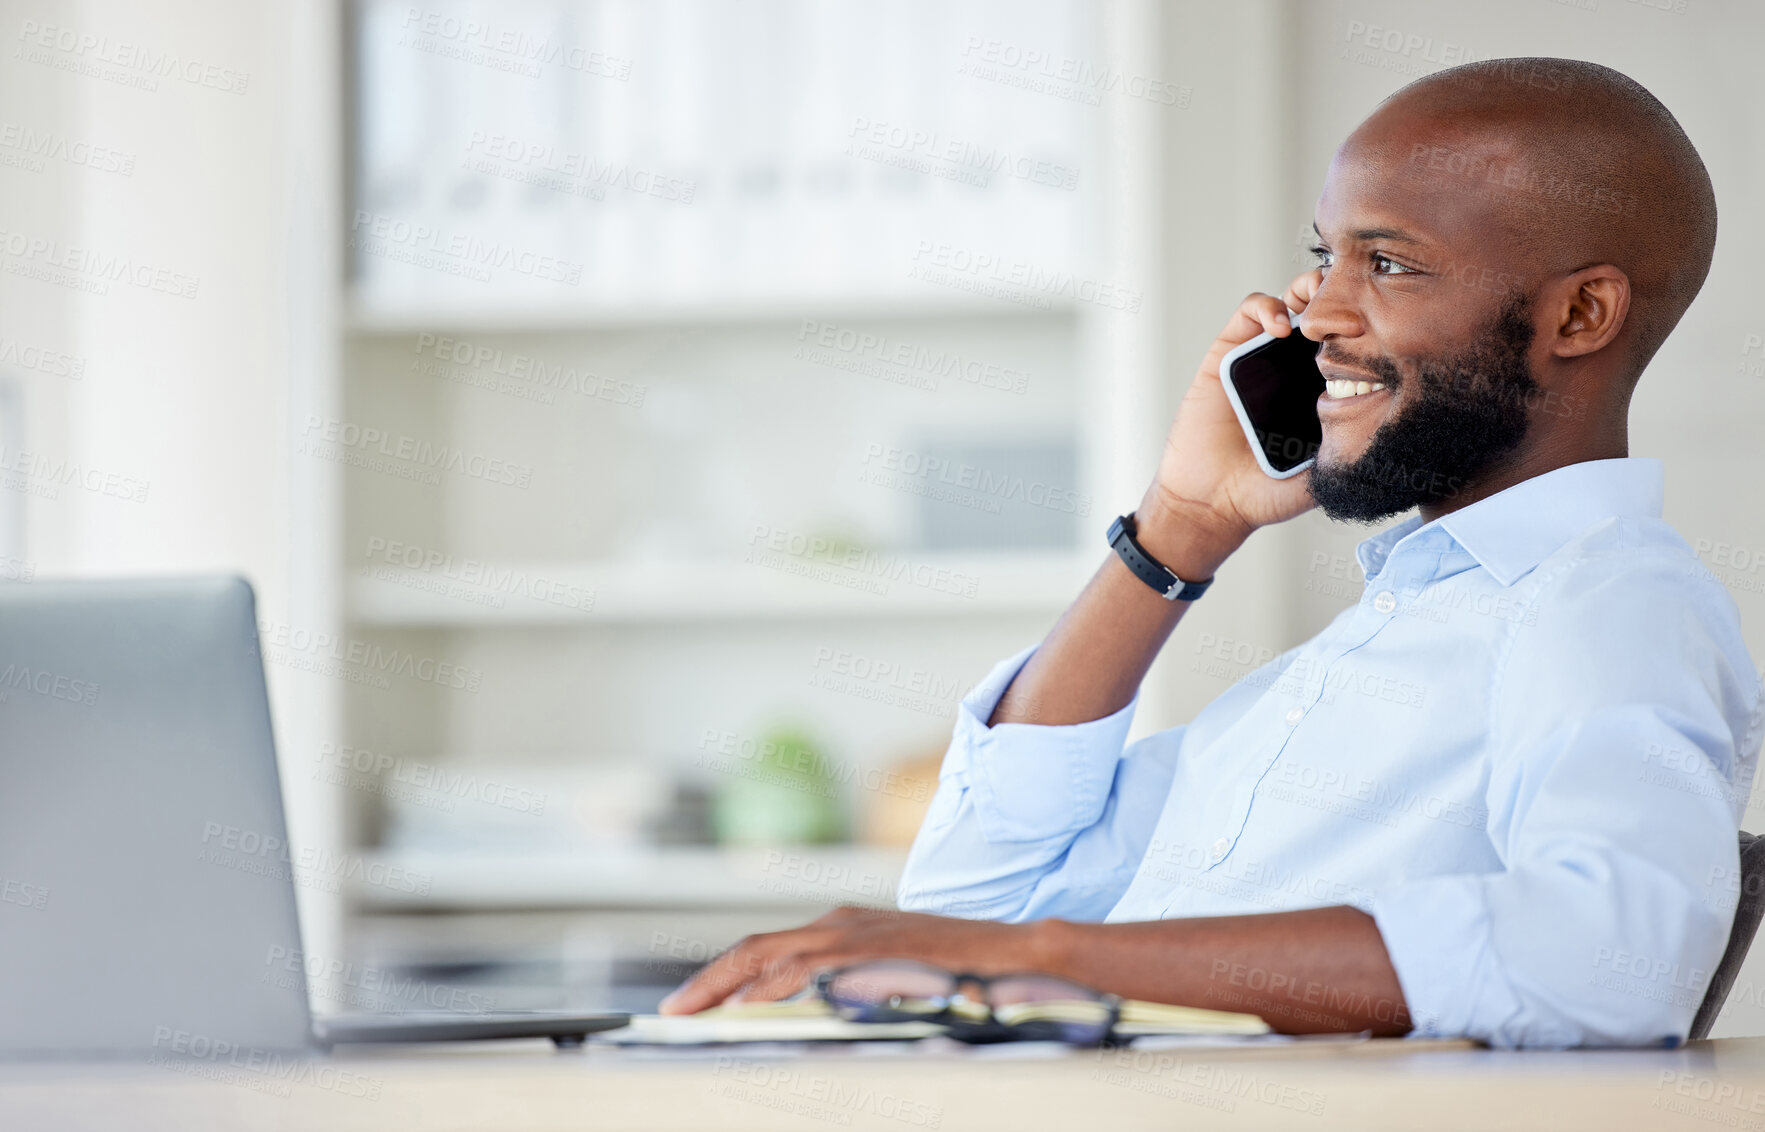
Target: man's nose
(1328,317)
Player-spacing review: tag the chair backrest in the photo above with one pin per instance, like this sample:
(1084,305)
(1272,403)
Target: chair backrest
(1747,914)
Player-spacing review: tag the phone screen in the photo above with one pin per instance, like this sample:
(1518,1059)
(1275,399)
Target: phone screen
(1279,385)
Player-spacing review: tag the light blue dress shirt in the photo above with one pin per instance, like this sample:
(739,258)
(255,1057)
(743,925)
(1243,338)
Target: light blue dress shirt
(1525,752)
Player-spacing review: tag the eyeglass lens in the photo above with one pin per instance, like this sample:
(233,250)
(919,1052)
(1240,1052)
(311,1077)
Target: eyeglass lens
(1031,1006)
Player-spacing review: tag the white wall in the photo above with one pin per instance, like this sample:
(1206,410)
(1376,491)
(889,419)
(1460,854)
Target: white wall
(188,401)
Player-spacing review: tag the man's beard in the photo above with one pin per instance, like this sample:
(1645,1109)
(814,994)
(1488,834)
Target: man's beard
(1466,411)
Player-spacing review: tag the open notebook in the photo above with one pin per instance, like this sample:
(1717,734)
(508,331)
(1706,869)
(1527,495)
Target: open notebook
(812,1020)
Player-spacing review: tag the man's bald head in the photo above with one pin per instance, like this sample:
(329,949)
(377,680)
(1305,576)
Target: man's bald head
(1503,247)
(1577,165)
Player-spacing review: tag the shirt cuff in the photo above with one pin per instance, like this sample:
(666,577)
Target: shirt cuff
(1029,781)
(1437,934)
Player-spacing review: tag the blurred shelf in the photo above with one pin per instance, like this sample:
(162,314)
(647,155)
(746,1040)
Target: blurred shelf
(708,877)
(644,592)
(367,317)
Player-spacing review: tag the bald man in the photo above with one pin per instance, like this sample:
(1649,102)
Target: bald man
(1496,798)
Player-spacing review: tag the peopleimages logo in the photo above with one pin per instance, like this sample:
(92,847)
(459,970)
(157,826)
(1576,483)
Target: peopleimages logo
(132,64)
(89,269)
(852,349)
(369,988)
(327,437)
(427,776)
(44,475)
(482,364)
(1397,42)
(476,577)
(829,559)
(543,164)
(270,855)
(803,1093)
(813,772)
(995,486)
(1016,281)
(262,1070)
(364,657)
(455,253)
(55,363)
(1046,72)
(927,151)
(33,896)
(504,48)
(32,147)
(24,678)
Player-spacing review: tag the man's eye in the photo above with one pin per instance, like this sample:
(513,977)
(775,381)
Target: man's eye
(1385,265)
(1324,256)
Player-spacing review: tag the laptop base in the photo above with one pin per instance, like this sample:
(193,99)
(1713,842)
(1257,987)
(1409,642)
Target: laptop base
(565,1030)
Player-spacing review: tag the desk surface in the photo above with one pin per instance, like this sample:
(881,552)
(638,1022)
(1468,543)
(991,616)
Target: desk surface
(526,1085)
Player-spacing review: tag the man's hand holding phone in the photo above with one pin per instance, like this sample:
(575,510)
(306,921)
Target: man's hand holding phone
(1210,493)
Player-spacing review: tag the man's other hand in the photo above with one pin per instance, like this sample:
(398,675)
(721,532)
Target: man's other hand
(777,964)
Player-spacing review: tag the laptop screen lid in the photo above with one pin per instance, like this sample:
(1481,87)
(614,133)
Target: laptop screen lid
(146,884)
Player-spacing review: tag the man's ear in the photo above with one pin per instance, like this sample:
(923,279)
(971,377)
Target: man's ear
(1589,309)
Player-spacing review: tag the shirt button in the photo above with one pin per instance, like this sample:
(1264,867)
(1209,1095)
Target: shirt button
(1385,602)
(1218,849)
(1294,715)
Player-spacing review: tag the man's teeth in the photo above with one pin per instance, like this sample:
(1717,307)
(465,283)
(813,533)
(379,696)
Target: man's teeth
(1343,387)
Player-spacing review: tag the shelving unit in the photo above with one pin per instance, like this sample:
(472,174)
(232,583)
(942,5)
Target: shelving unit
(649,507)
(693,593)
(366,316)
(788,878)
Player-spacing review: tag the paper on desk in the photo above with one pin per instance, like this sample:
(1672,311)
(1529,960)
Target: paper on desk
(1139,1019)
(794,1020)
(811,1020)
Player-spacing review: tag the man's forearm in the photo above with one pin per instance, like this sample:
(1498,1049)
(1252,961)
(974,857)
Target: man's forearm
(1099,651)
(1320,970)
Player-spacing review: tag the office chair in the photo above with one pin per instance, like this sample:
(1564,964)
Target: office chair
(1740,937)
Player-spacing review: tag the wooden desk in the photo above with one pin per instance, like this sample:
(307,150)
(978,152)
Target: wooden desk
(1371,1085)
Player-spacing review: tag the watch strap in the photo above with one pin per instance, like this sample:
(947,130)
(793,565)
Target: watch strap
(1123,540)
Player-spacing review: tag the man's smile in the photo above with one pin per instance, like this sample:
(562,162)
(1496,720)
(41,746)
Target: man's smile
(1336,389)
(1349,392)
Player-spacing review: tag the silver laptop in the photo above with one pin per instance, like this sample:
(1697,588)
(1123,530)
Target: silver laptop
(145,881)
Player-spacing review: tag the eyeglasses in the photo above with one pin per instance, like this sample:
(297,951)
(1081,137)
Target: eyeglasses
(975,1008)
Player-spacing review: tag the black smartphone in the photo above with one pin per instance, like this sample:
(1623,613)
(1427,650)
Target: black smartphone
(1274,386)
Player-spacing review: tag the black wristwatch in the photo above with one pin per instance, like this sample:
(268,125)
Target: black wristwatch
(1149,569)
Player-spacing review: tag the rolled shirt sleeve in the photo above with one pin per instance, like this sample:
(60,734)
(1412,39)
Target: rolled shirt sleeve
(1614,809)
(1030,821)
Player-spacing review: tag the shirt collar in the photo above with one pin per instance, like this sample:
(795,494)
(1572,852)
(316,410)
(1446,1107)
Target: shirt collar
(1512,531)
